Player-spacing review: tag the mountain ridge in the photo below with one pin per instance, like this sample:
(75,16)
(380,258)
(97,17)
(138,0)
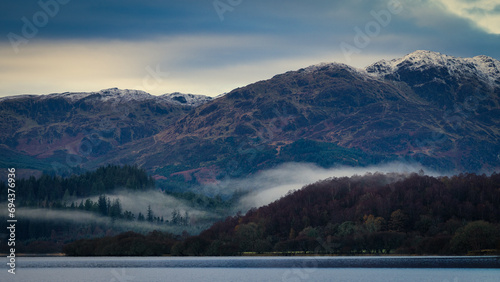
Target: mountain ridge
(117,95)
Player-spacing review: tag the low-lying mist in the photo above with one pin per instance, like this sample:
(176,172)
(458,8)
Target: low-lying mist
(84,217)
(161,203)
(268,186)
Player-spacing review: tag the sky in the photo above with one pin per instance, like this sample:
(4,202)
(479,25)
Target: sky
(213,46)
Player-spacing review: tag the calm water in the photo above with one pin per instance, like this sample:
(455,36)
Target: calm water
(439,269)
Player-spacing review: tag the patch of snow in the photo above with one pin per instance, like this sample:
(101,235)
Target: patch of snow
(105,95)
(192,100)
(335,66)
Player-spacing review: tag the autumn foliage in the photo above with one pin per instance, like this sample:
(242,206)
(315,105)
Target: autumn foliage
(375,213)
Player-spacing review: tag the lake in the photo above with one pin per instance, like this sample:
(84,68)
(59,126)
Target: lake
(221,269)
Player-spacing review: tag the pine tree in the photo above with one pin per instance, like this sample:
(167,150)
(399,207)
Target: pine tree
(150,214)
(116,209)
(102,204)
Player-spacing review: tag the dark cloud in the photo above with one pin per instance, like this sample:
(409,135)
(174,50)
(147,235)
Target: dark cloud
(283,30)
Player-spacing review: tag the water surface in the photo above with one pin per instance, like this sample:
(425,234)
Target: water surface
(439,269)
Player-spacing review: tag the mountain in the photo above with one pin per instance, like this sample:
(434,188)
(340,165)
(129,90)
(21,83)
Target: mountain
(430,108)
(438,110)
(64,130)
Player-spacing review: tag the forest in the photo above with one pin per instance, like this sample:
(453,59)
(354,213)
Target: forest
(54,191)
(72,197)
(371,214)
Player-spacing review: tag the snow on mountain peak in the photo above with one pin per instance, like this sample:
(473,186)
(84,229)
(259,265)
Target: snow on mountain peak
(486,68)
(105,95)
(322,66)
(124,95)
(336,66)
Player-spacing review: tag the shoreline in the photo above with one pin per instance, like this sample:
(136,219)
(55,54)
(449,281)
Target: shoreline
(490,262)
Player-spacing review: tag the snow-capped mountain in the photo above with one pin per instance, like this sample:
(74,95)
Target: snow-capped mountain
(482,67)
(441,79)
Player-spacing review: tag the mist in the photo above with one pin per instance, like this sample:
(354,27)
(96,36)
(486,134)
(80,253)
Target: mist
(267,186)
(161,204)
(85,217)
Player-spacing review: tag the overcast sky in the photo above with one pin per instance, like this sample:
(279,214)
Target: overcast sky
(211,47)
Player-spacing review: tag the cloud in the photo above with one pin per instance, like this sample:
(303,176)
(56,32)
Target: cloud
(203,64)
(484,13)
(93,45)
(75,65)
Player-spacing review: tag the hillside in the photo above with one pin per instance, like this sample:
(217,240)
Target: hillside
(377,213)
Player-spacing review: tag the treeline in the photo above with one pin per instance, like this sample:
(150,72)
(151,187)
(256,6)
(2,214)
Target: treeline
(113,208)
(53,191)
(126,244)
(372,214)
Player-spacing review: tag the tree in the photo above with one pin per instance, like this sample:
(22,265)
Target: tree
(186,218)
(128,215)
(475,236)
(372,223)
(115,210)
(102,205)
(97,187)
(399,221)
(346,228)
(150,215)
(88,204)
(247,235)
